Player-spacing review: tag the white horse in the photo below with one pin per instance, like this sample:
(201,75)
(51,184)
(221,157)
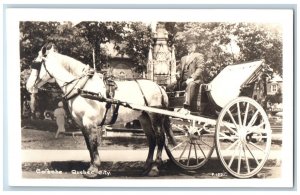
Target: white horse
(88,113)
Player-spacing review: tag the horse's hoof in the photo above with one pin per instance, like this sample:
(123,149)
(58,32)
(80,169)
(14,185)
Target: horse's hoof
(91,173)
(90,176)
(154,172)
(146,170)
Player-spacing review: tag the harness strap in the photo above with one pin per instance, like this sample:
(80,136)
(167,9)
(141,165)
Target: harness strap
(81,82)
(108,105)
(146,102)
(114,115)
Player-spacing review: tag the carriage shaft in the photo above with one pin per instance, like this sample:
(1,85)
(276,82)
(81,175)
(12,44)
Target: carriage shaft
(173,114)
(199,119)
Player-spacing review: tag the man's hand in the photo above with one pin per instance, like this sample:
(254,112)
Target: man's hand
(189,80)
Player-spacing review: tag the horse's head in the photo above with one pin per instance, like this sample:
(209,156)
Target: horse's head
(39,74)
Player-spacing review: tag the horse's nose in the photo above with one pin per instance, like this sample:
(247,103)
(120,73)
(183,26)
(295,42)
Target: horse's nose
(37,59)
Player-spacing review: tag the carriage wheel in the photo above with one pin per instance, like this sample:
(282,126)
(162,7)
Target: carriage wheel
(194,144)
(243,137)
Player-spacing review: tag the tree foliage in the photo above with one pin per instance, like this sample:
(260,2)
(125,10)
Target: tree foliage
(97,33)
(136,43)
(221,43)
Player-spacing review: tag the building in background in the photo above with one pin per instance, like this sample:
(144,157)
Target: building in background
(121,68)
(274,85)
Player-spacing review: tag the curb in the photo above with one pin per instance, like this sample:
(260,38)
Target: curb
(112,156)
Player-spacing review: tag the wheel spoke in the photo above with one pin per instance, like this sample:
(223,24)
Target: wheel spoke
(254,117)
(246,159)
(183,150)
(252,154)
(206,143)
(251,143)
(239,113)
(232,119)
(246,114)
(232,145)
(196,156)
(233,155)
(229,128)
(178,145)
(201,149)
(188,162)
(257,128)
(240,159)
(226,136)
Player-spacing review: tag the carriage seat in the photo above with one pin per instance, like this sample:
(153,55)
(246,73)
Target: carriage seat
(177,98)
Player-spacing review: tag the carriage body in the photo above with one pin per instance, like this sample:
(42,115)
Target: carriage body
(233,81)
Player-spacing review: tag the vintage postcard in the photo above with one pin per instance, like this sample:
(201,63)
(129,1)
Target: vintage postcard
(150,97)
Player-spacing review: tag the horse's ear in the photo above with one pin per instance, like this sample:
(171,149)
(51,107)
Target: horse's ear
(51,46)
(44,50)
(54,47)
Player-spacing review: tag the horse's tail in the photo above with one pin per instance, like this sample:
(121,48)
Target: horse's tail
(168,129)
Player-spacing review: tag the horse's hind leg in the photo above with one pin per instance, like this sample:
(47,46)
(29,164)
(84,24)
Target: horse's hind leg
(168,130)
(147,127)
(157,125)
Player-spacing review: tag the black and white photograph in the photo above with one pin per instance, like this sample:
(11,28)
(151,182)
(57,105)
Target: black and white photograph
(149,95)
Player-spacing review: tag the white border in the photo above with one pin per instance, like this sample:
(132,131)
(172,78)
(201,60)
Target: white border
(149,2)
(13,16)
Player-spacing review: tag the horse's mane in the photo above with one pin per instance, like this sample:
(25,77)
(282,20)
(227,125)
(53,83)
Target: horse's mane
(73,66)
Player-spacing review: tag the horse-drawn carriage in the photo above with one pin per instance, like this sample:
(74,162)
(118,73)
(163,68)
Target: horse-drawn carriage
(238,127)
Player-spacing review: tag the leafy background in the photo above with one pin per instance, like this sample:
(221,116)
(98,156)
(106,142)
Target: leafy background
(221,44)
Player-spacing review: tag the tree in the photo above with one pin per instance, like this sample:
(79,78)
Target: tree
(100,33)
(32,37)
(261,41)
(136,41)
(231,43)
(221,43)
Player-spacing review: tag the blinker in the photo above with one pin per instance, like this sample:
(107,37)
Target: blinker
(36,65)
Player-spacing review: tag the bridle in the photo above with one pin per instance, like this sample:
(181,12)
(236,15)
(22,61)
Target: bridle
(66,83)
(68,94)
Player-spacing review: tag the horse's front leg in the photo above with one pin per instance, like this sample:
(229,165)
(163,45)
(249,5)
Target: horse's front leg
(32,105)
(91,138)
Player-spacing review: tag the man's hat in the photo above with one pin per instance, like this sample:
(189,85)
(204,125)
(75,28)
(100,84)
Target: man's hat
(191,39)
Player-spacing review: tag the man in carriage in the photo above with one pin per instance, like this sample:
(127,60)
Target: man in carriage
(189,76)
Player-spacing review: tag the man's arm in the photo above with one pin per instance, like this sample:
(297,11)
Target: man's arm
(199,61)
